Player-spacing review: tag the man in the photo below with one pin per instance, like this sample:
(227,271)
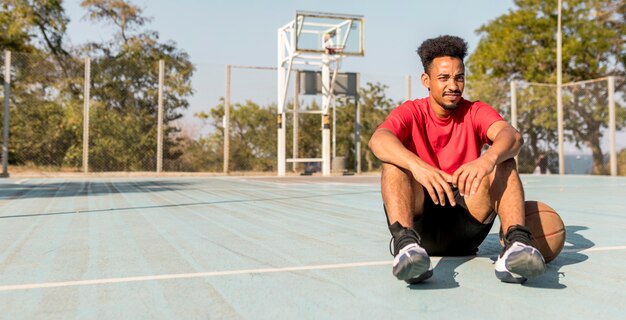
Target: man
(542,165)
(441,195)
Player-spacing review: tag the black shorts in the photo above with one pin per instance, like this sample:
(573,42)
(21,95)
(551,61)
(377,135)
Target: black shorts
(450,231)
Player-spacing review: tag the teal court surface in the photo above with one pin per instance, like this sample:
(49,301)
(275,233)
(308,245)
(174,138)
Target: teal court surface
(281,248)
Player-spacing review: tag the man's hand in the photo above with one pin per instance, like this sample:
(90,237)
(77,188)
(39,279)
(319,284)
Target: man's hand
(436,182)
(467,177)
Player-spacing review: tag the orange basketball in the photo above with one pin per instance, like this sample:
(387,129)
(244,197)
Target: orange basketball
(547,228)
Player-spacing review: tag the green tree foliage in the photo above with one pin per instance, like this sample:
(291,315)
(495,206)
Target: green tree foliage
(309,133)
(521,45)
(47,88)
(54,131)
(46,112)
(125,82)
(374,107)
(621,160)
(38,27)
(26,25)
(14,26)
(253,134)
(122,131)
(252,139)
(117,12)
(43,87)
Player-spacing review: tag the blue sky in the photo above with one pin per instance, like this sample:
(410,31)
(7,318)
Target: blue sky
(243,32)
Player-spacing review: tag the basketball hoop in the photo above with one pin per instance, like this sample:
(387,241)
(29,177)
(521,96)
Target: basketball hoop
(315,38)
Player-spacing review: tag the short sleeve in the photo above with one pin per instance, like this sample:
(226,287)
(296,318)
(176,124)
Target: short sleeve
(399,121)
(484,116)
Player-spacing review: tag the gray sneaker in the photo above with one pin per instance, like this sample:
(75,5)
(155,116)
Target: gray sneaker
(519,260)
(411,263)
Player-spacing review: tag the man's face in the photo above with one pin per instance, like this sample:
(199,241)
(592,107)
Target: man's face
(445,81)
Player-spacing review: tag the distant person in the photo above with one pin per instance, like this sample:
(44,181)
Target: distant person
(542,165)
(441,196)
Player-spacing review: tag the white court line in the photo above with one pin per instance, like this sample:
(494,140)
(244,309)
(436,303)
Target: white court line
(21,181)
(597,249)
(188,275)
(229,273)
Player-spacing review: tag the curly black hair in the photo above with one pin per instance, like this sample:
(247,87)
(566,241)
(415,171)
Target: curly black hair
(442,46)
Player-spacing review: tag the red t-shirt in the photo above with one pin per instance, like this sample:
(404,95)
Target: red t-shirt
(443,143)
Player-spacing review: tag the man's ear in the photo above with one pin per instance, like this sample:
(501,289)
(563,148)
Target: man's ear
(426,80)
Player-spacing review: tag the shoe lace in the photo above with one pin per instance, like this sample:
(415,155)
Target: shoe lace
(405,237)
(517,233)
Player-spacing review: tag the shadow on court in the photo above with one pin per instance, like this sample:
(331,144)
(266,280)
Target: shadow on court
(84,188)
(444,273)
(571,254)
(220,195)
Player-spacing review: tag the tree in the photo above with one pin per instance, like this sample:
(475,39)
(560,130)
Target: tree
(117,12)
(621,160)
(14,27)
(28,25)
(125,81)
(252,136)
(44,95)
(521,45)
(253,133)
(374,107)
(308,135)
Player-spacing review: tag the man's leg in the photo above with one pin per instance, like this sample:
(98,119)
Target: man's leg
(402,195)
(504,193)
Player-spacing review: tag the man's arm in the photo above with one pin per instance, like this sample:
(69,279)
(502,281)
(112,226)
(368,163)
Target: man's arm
(388,148)
(507,143)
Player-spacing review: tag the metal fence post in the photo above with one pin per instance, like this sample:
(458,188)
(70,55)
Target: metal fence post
(612,151)
(408,87)
(357,126)
(296,121)
(86,98)
(514,107)
(514,104)
(227,120)
(160,119)
(5,131)
(559,94)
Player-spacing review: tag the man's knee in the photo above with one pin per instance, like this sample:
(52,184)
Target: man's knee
(388,168)
(503,171)
(394,173)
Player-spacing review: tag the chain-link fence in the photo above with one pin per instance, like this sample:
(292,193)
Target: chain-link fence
(5,76)
(122,117)
(594,117)
(198,133)
(250,92)
(45,109)
(50,131)
(99,115)
(240,99)
(48,123)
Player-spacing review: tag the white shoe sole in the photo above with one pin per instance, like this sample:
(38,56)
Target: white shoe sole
(520,263)
(412,263)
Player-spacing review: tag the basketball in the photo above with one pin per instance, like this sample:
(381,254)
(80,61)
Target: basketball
(547,228)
